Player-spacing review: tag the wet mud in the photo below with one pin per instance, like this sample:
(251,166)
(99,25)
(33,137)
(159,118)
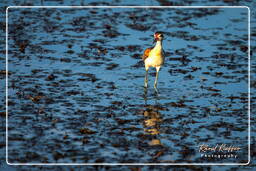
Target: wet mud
(76,90)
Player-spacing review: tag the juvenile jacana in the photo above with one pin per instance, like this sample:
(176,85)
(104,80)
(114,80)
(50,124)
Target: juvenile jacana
(154,57)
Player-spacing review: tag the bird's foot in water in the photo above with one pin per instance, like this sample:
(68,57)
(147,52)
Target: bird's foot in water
(155,87)
(146,85)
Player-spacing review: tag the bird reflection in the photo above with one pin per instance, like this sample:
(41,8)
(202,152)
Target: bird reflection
(152,120)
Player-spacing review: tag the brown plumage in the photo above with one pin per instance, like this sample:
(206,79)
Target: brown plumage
(146,53)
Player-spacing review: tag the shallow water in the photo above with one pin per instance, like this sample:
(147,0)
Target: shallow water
(76,85)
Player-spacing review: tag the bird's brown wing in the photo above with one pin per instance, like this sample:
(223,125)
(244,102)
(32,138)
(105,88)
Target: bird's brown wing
(146,53)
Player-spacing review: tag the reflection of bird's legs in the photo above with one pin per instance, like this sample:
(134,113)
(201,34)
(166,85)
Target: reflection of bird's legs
(156,100)
(146,77)
(157,70)
(145,95)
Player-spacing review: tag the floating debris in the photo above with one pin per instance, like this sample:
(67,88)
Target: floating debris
(86,131)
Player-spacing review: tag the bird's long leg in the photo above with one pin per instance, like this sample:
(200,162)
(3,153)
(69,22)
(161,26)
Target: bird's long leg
(146,78)
(155,84)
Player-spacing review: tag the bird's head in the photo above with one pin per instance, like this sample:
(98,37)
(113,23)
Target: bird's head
(158,36)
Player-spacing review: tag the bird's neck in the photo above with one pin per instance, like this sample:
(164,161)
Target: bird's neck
(158,45)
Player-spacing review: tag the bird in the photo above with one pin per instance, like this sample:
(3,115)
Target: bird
(154,57)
